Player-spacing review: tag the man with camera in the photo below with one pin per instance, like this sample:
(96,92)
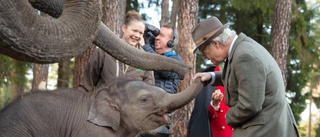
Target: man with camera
(162,42)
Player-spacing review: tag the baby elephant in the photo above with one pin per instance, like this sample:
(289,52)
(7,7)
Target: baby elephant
(122,109)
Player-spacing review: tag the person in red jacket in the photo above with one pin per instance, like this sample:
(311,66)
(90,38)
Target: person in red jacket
(217,113)
(205,121)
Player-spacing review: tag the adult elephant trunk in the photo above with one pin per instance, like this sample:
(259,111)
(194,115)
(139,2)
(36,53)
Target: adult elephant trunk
(176,101)
(113,45)
(26,36)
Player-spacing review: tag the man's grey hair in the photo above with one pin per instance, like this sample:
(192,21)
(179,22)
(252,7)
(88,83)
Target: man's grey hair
(224,37)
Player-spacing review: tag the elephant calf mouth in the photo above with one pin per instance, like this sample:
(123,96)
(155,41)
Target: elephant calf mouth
(165,117)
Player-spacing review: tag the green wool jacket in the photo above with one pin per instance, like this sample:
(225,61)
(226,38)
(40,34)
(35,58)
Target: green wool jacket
(255,92)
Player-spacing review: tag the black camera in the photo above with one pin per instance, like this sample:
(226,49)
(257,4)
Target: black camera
(150,33)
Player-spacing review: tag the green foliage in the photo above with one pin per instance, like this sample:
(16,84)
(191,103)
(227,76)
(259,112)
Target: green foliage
(298,25)
(21,69)
(135,5)
(7,67)
(302,55)
(249,6)
(254,22)
(318,130)
(315,75)
(303,129)
(132,5)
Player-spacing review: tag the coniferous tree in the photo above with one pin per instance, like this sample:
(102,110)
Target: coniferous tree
(280,34)
(187,21)
(113,15)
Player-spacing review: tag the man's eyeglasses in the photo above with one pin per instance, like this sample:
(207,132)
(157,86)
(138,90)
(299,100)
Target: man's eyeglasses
(201,50)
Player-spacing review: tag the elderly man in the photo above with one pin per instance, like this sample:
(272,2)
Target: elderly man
(254,88)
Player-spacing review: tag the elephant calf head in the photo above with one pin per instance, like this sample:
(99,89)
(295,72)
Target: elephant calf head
(136,105)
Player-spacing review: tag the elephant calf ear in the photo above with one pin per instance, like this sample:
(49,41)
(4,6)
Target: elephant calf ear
(104,114)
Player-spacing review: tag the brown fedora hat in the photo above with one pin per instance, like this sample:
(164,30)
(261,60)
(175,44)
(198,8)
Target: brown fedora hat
(206,30)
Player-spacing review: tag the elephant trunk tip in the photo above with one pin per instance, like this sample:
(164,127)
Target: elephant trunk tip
(176,101)
(186,69)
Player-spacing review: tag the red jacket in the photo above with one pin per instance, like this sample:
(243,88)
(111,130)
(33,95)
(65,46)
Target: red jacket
(219,127)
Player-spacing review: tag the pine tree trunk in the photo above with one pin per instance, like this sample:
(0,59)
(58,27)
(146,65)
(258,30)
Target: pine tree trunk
(64,74)
(164,12)
(280,34)
(113,16)
(80,63)
(174,12)
(40,77)
(187,21)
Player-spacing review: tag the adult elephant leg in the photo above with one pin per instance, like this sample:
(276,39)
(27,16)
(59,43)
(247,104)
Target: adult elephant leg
(26,36)
(113,45)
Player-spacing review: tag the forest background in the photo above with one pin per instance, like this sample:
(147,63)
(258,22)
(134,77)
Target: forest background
(289,29)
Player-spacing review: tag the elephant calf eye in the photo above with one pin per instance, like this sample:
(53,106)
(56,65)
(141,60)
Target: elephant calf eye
(144,99)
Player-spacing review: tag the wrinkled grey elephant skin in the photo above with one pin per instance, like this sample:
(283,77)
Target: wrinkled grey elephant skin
(73,26)
(122,109)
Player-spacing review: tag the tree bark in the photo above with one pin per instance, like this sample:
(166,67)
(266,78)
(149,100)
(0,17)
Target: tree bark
(113,16)
(164,12)
(64,74)
(187,21)
(174,12)
(40,77)
(280,34)
(80,65)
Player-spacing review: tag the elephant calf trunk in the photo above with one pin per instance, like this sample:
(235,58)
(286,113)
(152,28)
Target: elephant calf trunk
(176,101)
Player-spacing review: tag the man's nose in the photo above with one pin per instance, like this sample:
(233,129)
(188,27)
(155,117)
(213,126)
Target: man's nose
(157,37)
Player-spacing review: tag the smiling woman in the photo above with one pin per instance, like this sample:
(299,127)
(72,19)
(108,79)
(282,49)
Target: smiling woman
(102,67)
(133,28)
